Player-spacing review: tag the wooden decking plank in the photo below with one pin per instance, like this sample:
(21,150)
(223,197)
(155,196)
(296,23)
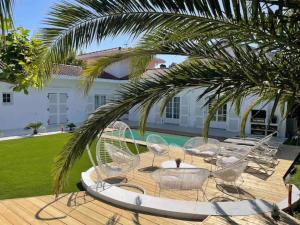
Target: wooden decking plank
(145,219)
(76,212)
(4,221)
(11,215)
(53,212)
(34,209)
(108,215)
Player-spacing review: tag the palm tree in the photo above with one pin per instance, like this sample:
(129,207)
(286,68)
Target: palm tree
(235,48)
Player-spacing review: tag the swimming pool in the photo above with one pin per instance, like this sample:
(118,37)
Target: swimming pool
(172,139)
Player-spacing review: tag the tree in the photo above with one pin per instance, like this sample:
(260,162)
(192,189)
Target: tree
(235,48)
(20,58)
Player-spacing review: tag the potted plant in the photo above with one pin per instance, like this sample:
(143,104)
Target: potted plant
(275,212)
(178,161)
(71,126)
(34,127)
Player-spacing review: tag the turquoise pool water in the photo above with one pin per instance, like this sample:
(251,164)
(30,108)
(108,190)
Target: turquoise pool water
(175,140)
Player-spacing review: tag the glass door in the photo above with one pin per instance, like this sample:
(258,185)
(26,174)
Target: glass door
(173,111)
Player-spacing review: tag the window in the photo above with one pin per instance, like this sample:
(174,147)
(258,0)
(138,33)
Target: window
(173,108)
(100,100)
(7,98)
(221,114)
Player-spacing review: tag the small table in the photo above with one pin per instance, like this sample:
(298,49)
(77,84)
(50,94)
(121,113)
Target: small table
(172,164)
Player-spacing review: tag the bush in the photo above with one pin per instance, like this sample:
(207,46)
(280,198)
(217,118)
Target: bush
(71,126)
(34,126)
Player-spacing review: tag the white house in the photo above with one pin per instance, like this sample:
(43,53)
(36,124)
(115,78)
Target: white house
(62,101)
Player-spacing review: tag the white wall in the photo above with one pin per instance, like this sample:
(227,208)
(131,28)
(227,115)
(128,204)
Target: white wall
(193,113)
(33,107)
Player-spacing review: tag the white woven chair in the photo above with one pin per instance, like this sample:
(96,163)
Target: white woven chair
(232,154)
(158,146)
(262,154)
(199,146)
(231,174)
(181,179)
(252,141)
(113,155)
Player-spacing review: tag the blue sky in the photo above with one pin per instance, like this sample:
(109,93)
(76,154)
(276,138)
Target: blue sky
(30,15)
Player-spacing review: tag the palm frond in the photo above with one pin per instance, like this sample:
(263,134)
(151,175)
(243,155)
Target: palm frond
(236,48)
(218,103)
(73,25)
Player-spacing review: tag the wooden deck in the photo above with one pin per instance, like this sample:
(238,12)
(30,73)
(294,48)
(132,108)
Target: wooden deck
(257,185)
(79,208)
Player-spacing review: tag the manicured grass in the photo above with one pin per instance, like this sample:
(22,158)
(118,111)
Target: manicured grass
(26,166)
(295,179)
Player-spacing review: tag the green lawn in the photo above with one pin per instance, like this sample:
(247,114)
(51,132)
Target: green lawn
(295,179)
(26,165)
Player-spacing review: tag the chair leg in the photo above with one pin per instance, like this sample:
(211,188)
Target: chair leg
(237,189)
(153,160)
(204,197)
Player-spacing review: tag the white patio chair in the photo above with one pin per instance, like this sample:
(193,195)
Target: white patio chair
(231,174)
(113,155)
(261,155)
(199,146)
(252,141)
(232,154)
(181,179)
(158,146)
(264,156)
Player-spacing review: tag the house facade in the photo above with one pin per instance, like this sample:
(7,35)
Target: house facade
(62,101)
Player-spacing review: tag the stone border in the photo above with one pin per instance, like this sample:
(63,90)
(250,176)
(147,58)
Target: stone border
(30,136)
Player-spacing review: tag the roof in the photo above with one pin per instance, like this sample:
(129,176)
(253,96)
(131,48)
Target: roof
(106,75)
(76,71)
(105,52)
(69,70)
(153,73)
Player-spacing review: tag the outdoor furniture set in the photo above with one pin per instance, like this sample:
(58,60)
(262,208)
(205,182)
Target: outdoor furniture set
(114,158)
(231,161)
